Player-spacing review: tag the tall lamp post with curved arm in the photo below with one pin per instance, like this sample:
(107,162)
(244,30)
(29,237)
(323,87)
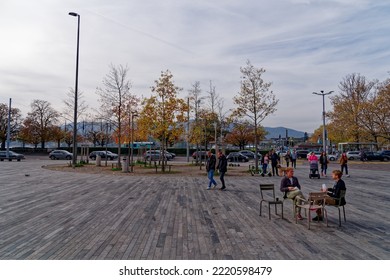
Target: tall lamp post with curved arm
(323,117)
(74,160)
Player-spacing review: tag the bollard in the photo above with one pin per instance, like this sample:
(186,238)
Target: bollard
(125,166)
(98,160)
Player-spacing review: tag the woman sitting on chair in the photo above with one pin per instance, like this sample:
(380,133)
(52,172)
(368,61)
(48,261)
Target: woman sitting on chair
(292,189)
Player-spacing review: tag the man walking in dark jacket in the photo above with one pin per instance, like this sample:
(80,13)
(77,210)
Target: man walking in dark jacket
(274,162)
(222,168)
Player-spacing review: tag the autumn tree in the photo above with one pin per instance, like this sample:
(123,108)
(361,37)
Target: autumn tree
(57,135)
(114,98)
(207,120)
(255,101)
(382,112)
(241,135)
(42,120)
(375,114)
(30,132)
(195,100)
(349,103)
(164,114)
(15,122)
(222,119)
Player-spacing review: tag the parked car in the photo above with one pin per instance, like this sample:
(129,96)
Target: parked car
(60,154)
(385,152)
(199,154)
(237,156)
(386,155)
(332,157)
(156,155)
(103,154)
(11,156)
(351,155)
(316,153)
(250,154)
(302,153)
(172,154)
(376,156)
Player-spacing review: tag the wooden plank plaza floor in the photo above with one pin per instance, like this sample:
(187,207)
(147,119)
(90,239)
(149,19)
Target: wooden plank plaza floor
(60,215)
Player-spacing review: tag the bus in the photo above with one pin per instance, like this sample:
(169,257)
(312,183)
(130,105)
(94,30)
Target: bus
(140,145)
(357,146)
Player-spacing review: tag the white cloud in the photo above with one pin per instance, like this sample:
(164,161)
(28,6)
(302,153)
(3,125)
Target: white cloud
(304,46)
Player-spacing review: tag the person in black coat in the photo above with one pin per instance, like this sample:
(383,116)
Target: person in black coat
(274,162)
(333,193)
(222,168)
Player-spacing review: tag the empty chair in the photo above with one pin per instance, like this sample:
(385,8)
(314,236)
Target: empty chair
(270,199)
(315,201)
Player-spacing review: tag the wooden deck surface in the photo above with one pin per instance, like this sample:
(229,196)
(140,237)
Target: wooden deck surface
(59,215)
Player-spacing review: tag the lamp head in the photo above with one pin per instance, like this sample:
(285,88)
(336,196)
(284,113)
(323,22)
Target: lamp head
(73,14)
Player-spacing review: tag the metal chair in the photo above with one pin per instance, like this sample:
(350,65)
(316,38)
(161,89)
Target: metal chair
(293,200)
(315,201)
(271,200)
(341,203)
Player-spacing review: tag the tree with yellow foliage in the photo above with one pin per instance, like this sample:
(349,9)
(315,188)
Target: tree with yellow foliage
(164,114)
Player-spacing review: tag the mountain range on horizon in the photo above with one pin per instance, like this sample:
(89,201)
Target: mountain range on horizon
(274,132)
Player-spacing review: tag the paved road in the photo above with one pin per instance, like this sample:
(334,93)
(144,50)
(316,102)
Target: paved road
(48,214)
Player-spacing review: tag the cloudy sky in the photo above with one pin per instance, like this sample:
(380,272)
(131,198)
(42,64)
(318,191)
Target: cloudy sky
(304,46)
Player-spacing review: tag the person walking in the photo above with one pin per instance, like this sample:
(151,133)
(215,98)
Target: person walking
(294,159)
(210,168)
(324,163)
(344,163)
(274,162)
(222,168)
(287,157)
(265,164)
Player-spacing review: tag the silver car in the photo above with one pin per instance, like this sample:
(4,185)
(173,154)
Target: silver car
(351,155)
(11,156)
(155,155)
(60,154)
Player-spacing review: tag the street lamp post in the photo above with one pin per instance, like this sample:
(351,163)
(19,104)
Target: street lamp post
(74,160)
(323,117)
(133,115)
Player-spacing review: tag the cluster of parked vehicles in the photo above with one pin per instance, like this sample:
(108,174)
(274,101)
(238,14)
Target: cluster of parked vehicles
(240,156)
(369,156)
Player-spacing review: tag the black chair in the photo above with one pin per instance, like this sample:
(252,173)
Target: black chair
(339,205)
(271,200)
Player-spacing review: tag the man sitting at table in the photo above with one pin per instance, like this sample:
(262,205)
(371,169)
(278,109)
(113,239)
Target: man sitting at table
(333,193)
(292,189)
